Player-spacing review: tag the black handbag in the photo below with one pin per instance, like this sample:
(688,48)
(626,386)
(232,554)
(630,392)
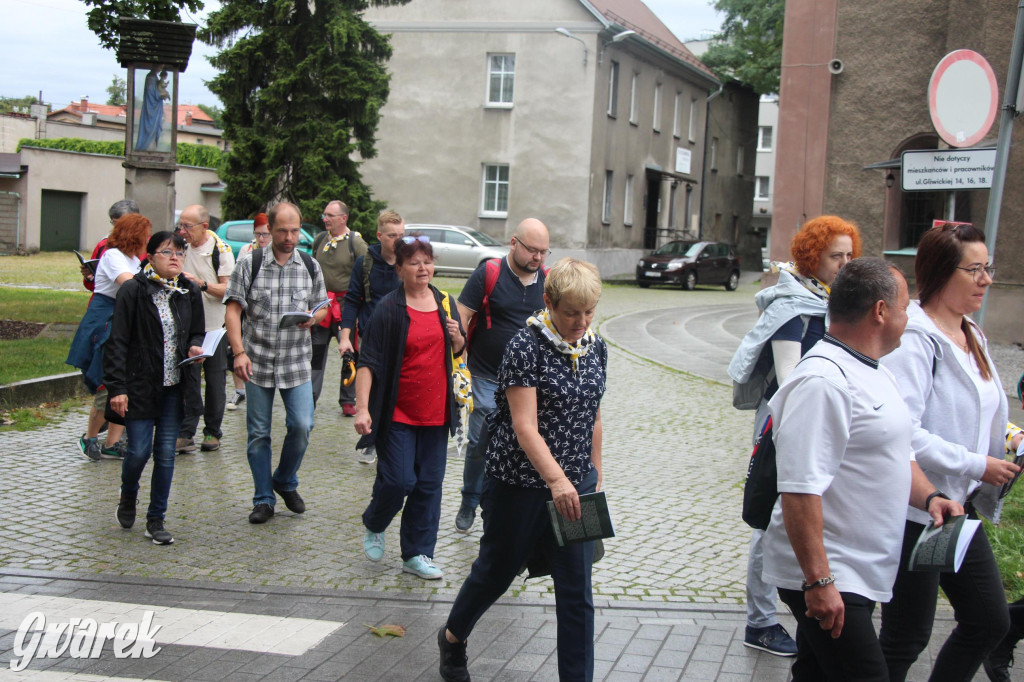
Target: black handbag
(761,488)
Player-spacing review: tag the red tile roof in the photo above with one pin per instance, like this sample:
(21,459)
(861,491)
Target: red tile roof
(188,114)
(636,16)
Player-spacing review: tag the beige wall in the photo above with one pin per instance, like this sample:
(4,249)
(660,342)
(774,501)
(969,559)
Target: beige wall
(101,180)
(14,128)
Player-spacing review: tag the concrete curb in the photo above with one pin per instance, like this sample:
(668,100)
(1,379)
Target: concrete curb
(42,390)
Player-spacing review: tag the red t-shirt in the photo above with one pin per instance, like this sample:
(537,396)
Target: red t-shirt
(423,383)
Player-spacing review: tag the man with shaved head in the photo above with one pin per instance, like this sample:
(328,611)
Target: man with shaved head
(494,305)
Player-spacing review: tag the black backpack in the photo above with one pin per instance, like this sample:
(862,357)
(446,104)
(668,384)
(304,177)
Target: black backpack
(761,488)
(257,263)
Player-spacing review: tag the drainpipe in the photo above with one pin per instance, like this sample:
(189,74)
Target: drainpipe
(17,229)
(704,166)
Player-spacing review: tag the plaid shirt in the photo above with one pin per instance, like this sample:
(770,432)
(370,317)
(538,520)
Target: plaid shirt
(280,357)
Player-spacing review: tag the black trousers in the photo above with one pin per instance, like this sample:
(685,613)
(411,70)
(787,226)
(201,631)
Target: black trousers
(854,656)
(979,606)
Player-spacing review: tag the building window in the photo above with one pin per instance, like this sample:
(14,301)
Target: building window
(501,79)
(613,89)
(632,99)
(606,210)
(713,155)
(761,189)
(739,160)
(495,191)
(764,139)
(657,107)
(688,207)
(693,120)
(676,114)
(627,205)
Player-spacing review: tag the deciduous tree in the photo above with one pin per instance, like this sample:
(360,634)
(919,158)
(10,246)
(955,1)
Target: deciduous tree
(302,85)
(102,18)
(749,49)
(116,92)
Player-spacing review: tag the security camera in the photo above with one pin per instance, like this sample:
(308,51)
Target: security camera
(835,67)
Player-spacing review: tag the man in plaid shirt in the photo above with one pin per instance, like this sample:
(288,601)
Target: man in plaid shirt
(269,358)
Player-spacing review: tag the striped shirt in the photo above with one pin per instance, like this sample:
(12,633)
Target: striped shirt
(280,357)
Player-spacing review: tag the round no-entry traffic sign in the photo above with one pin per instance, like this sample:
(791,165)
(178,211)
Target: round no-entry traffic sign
(963,98)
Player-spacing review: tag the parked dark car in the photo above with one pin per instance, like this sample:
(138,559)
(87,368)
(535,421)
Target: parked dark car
(688,264)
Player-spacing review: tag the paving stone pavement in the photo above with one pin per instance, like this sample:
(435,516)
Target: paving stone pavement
(669,591)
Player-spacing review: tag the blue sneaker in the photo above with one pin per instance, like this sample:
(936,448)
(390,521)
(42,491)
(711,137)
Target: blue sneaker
(423,566)
(773,639)
(373,545)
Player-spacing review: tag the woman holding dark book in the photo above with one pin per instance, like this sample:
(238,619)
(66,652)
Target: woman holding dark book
(545,445)
(959,413)
(158,322)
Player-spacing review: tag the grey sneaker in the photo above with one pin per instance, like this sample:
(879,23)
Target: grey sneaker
(126,511)
(155,531)
(465,518)
(90,448)
(115,451)
(773,639)
(237,399)
(368,456)
(373,545)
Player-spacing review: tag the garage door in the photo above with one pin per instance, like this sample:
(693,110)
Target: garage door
(60,222)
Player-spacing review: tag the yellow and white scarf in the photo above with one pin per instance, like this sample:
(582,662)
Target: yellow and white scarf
(332,241)
(167,284)
(817,288)
(541,322)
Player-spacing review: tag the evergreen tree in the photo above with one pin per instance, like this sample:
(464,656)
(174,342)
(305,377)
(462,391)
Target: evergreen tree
(116,92)
(749,49)
(302,85)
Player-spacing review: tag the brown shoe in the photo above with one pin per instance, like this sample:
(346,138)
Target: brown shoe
(185,445)
(210,443)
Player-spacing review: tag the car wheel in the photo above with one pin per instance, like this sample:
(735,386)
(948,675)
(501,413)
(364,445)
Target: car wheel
(733,281)
(643,285)
(690,281)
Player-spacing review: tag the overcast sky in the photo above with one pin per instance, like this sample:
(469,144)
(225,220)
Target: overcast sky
(49,49)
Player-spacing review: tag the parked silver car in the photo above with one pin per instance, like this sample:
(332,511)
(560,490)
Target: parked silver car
(459,250)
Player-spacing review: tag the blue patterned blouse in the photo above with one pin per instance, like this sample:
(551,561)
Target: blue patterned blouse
(567,404)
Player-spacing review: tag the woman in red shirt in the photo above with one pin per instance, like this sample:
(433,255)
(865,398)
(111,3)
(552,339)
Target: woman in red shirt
(405,406)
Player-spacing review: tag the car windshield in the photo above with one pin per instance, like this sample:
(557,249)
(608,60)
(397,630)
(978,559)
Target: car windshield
(674,249)
(484,239)
(693,250)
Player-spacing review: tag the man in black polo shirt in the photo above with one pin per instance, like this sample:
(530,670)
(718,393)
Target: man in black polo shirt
(495,312)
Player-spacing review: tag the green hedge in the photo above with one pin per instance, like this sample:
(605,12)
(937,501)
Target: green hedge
(202,155)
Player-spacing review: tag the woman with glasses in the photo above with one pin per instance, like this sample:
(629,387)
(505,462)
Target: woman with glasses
(959,412)
(405,406)
(260,240)
(158,322)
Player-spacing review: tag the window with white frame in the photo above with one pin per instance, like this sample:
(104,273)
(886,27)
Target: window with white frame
(657,107)
(713,155)
(627,205)
(501,72)
(761,187)
(739,160)
(692,135)
(613,89)
(495,191)
(606,209)
(676,115)
(632,99)
(764,138)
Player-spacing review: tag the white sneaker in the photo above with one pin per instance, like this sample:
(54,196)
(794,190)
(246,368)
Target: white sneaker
(423,566)
(236,400)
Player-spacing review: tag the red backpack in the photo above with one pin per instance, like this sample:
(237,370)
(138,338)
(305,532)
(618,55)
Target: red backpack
(493,266)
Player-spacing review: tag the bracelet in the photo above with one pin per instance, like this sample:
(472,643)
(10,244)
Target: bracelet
(203,286)
(937,493)
(820,582)
(238,352)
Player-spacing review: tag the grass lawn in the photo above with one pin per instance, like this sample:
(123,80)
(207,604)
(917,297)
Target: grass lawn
(51,269)
(32,358)
(1008,542)
(42,305)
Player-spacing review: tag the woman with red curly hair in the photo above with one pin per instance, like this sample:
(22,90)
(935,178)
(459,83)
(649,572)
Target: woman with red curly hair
(119,263)
(792,321)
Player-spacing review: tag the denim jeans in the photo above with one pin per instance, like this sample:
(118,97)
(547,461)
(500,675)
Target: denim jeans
(214,368)
(156,437)
(410,470)
(516,524)
(979,606)
(473,471)
(259,412)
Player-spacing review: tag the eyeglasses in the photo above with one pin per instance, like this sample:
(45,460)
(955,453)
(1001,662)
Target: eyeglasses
(186,226)
(167,253)
(420,238)
(976,271)
(532,251)
(261,235)
(325,216)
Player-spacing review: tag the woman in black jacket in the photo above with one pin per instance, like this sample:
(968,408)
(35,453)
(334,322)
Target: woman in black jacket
(158,322)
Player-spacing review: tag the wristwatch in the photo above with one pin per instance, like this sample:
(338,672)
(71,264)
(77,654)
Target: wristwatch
(820,582)
(203,286)
(937,493)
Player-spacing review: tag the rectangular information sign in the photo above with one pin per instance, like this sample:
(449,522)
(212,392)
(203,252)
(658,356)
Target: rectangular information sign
(936,170)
